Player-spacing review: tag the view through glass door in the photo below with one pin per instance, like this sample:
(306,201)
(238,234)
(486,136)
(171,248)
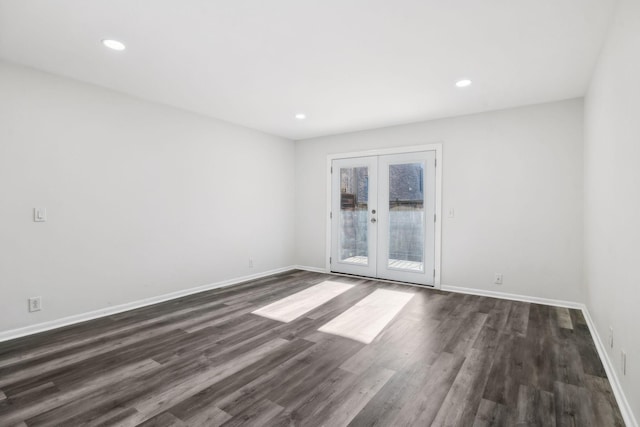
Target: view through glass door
(383,217)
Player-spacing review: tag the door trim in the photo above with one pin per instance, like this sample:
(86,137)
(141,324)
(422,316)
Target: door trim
(437,147)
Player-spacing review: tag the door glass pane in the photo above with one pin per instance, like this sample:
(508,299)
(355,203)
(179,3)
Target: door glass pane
(406,217)
(354,195)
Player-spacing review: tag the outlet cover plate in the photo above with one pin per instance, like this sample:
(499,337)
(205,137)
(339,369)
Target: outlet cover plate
(35,304)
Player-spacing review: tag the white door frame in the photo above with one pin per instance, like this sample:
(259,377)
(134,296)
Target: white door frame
(437,147)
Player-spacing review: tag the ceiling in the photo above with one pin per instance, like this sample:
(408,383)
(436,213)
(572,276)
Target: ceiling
(347,64)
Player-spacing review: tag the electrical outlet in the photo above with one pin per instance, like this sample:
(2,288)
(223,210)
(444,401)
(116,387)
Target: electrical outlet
(498,279)
(610,337)
(623,362)
(35,304)
(250,262)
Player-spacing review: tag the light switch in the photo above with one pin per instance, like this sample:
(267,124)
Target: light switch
(452,213)
(39,214)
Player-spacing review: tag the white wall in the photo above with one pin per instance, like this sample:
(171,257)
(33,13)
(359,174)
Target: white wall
(142,199)
(514,178)
(612,195)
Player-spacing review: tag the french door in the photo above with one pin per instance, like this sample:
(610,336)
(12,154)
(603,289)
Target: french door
(383,216)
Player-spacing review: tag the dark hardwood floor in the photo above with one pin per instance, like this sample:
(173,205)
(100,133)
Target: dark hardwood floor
(205,360)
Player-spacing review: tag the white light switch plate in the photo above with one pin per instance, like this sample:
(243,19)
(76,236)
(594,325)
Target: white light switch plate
(39,214)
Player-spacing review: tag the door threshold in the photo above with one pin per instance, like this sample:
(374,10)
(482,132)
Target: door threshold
(396,282)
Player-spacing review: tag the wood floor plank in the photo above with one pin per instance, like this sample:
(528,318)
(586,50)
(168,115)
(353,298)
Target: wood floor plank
(203,400)
(573,406)
(563,317)
(403,340)
(28,396)
(506,371)
(404,386)
(492,414)
(14,373)
(604,401)
(259,414)
(113,417)
(567,363)
(58,346)
(344,406)
(42,407)
(472,376)
(70,376)
(498,317)
(424,406)
(535,407)
(466,334)
(207,416)
(164,419)
(315,399)
(205,359)
(487,339)
(518,320)
(171,395)
(285,384)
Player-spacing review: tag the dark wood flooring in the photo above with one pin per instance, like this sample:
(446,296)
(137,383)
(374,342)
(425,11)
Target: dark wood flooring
(205,360)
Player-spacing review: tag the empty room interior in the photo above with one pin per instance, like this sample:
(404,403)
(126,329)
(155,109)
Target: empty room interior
(319,213)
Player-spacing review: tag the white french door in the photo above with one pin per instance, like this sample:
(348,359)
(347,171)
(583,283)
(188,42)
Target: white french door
(354,200)
(383,216)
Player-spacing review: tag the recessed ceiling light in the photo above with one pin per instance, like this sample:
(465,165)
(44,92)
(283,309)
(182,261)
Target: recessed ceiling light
(463,83)
(114,44)
(301,116)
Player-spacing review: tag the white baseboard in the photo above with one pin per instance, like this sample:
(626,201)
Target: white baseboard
(513,297)
(107,311)
(307,268)
(623,403)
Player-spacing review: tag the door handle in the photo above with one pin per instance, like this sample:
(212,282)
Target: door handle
(373,220)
